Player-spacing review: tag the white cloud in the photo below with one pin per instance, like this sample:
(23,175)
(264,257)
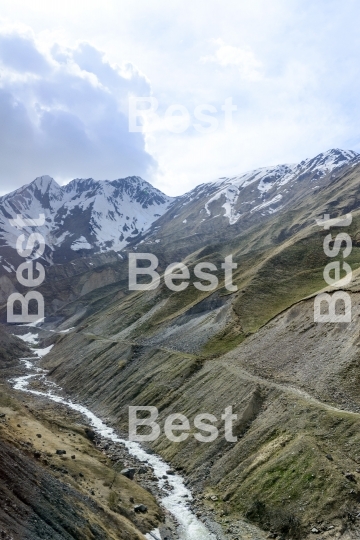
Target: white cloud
(291,68)
(242,58)
(64,112)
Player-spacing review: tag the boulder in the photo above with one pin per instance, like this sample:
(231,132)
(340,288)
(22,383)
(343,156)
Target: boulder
(129,473)
(90,433)
(140,508)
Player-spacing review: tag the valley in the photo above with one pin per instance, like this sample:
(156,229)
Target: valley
(294,469)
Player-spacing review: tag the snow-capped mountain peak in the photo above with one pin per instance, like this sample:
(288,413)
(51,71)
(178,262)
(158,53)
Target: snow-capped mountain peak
(88,216)
(330,160)
(45,183)
(84,216)
(220,210)
(274,180)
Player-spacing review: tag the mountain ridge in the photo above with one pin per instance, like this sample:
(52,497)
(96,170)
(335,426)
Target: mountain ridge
(88,216)
(84,215)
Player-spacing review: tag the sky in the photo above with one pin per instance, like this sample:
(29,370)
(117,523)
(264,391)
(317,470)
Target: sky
(72,75)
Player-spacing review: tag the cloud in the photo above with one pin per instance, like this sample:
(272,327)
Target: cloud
(64,113)
(241,58)
(291,68)
(20,54)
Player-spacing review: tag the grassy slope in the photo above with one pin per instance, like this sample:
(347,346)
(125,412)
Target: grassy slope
(58,497)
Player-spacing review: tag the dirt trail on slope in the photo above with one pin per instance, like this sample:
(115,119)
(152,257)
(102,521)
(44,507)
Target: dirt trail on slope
(236,369)
(297,392)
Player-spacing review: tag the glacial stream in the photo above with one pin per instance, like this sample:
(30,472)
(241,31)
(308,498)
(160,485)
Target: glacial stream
(176,500)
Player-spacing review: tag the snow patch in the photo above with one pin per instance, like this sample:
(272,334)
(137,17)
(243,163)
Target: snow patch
(66,331)
(275,200)
(42,352)
(80,243)
(29,338)
(231,195)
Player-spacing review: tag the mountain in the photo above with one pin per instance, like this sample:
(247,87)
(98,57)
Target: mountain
(83,217)
(88,216)
(221,210)
(91,226)
(293,384)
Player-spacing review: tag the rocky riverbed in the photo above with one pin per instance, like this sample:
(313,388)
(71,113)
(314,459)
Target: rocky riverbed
(152,472)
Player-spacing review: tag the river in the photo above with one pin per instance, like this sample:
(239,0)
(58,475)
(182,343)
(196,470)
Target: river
(176,498)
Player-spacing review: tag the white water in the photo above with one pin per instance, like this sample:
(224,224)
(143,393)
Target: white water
(176,500)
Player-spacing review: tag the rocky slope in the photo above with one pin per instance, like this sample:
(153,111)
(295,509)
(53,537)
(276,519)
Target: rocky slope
(45,495)
(11,348)
(296,461)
